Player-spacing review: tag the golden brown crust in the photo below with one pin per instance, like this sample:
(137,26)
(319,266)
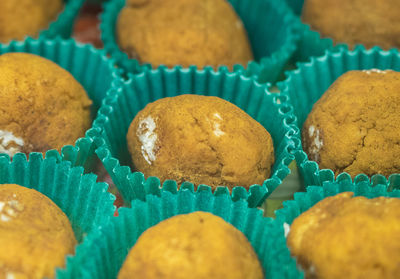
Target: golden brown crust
(183,32)
(198,245)
(204,140)
(346,237)
(40,104)
(35,235)
(26,17)
(354,127)
(367,22)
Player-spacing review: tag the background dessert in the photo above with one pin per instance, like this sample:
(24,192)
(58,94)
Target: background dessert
(35,235)
(195,245)
(43,106)
(183,32)
(354,127)
(19,19)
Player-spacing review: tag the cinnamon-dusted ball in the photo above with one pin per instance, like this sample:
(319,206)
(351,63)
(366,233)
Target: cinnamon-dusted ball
(198,245)
(348,237)
(200,139)
(183,32)
(367,22)
(354,126)
(42,105)
(35,235)
(22,18)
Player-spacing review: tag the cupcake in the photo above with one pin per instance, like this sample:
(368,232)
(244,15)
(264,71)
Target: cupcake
(62,97)
(354,127)
(178,235)
(35,235)
(201,139)
(228,132)
(22,18)
(348,237)
(342,123)
(183,32)
(340,230)
(44,106)
(256,37)
(47,208)
(367,22)
(195,245)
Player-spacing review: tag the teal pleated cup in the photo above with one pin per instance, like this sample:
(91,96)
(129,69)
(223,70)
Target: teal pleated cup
(90,67)
(104,253)
(63,25)
(285,265)
(85,202)
(270,25)
(305,85)
(125,101)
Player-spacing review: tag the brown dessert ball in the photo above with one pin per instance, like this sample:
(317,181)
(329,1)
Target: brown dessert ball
(354,126)
(198,245)
(183,32)
(42,106)
(348,237)
(367,22)
(35,235)
(200,139)
(20,18)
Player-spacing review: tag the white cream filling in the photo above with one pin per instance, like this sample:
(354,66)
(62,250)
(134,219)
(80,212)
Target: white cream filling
(286,228)
(368,72)
(317,142)
(6,138)
(10,210)
(217,125)
(147,138)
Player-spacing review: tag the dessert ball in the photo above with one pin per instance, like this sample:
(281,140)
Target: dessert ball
(42,105)
(200,139)
(183,32)
(354,126)
(22,18)
(348,237)
(197,245)
(35,235)
(367,22)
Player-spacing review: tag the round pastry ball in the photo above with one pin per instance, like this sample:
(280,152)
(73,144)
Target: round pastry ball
(35,235)
(26,17)
(354,126)
(348,237)
(367,22)
(200,139)
(198,245)
(42,106)
(183,32)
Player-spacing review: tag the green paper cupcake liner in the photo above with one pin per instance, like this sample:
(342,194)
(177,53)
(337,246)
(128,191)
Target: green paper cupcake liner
(124,102)
(307,84)
(270,25)
(90,67)
(103,254)
(284,265)
(86,203)
(64,23)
